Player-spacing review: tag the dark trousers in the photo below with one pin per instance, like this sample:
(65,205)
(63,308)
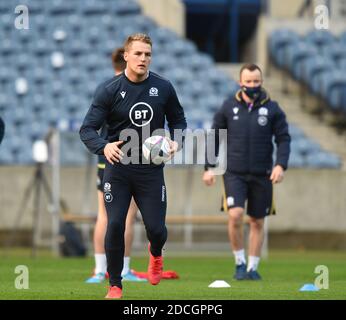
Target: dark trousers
(146,184)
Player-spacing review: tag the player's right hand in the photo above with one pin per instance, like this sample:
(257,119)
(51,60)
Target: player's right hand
(209,178)
(112,152)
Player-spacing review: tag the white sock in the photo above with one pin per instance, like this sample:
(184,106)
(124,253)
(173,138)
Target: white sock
(126,267)
(100,263)
(253,263)
(239,257)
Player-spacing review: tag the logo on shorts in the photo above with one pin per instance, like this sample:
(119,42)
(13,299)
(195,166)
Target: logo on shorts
(230,201)
(263,111)
(163,194)
(107,187)
(153,92)
(108,197)
(262,121)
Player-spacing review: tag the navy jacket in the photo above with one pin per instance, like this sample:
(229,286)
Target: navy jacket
(123,104)
(250,135)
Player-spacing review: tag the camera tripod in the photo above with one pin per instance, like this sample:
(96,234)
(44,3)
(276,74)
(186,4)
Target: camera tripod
(36,186)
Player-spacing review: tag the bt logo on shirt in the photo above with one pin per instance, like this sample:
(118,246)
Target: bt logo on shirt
(141,114)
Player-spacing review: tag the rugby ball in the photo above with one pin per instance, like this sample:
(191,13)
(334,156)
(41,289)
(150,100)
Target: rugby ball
(156,149)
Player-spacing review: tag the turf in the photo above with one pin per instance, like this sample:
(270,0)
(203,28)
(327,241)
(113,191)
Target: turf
(283,274)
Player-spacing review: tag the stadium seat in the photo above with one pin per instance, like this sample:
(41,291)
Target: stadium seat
(161,36)
(304,146)
(330,80)
(296,57)
(336,51)
(126,7)
(6,23)
(295,131)
(93,7)
(61,7)
(179,48)
(296,160)
(8,47)
(320,38)
(278,42)
(179,76)
(336,96)
(195,61)
(342,37)
(313,66)
(323,160)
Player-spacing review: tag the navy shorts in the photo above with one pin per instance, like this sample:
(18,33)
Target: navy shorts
(100,173)
(256,190)
(145,184)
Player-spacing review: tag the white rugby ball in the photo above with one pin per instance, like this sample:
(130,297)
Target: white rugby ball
(156,149)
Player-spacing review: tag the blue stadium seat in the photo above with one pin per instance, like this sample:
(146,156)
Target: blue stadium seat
(296,160)
(3,7)
(342,37)
(215,76)
(93,7)
(314,66)
(4,103)
(179,48)
(337,96)
(40,24)
(161,63)
(6,75)
(278,42)
(320,38)
(213,102)
(295,132)
(125,7)
(74,23)
(186,101)
(323,160)
(6,22)
(296,57)
(77,47)
(41,47)
(335,51)
(145,24)
(179,76)
(24,36)
(227,89)
(342,64)
(61,7)
(161,36)
(330,80)
(6,157)
(8,47)
(196,60)
(304,146)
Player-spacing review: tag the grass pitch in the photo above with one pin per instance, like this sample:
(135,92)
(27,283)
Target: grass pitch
(284,273)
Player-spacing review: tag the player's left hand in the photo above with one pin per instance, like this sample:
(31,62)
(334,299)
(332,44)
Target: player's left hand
(277,174)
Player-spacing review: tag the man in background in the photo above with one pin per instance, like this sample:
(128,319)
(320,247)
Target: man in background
(251,119)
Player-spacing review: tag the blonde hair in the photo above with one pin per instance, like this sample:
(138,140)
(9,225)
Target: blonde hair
(137,37)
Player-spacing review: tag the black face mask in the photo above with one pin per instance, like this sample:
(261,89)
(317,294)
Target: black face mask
(252,93)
